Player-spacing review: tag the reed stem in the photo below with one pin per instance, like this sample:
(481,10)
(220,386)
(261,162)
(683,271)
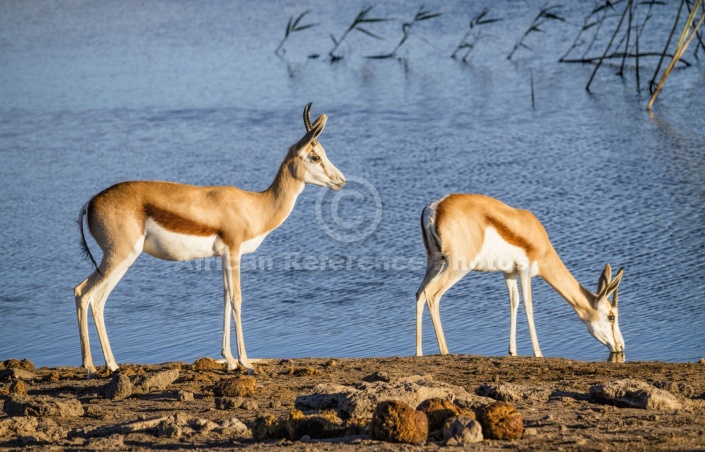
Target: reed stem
(679,53)
(599,62)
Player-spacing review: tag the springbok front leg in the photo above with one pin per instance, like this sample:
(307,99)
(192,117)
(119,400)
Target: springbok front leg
(231,273)
(226,350)
(525,281)
(513,289)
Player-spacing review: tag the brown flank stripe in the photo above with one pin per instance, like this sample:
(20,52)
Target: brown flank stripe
(511,238)
(175,223)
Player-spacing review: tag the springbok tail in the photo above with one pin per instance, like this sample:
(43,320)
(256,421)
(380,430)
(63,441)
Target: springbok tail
(428,229)
(84,245)
(436,260)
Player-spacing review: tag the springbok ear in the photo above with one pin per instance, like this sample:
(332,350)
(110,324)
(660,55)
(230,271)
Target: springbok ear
(610,288)
(311,135)
(604,280)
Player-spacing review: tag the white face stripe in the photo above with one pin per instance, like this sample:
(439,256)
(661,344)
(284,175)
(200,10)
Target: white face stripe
(165,244)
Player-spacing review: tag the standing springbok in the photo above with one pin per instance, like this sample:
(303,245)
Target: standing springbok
(180,222)
(464,232)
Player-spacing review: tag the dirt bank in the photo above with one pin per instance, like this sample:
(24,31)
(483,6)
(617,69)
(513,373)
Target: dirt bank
(180,404)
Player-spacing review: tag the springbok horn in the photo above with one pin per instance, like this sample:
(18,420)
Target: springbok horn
(614,298)
(307,117)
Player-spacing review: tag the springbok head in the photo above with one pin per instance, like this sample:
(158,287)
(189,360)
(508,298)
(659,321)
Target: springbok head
(603,324)
(311,163)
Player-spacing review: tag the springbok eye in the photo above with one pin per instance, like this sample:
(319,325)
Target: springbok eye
(610,318)
(316,159)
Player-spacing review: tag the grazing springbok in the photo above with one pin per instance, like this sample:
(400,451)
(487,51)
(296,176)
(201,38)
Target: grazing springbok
(464,232)
(180,222)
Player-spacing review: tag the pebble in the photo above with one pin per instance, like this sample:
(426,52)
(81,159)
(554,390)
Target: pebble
(249,405)
(185,396)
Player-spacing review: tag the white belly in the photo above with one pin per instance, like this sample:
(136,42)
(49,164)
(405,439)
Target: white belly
(164,244)
(499,255)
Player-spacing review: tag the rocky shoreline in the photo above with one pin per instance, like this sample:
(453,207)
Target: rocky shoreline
(374,403)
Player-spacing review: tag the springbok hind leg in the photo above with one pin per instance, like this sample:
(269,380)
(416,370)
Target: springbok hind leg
(93,293)
(82,294)
(434,291)
(97,308)
(434,268)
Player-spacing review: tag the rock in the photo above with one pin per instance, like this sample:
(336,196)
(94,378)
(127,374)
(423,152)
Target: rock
(173,427)
(501,420)
(249,405)
(185,396)
(17,364)
(155,382)
(634,394)
(360,402)
(228,403)
(325,396)
(110,442)
(302,372)
(438,411)
(49,432)
(16,373)
(94,411)
(203,426)
(126,428)
(118,388)
(233,426)
(43,406)
(268,427)
(702,361)
(18,426)
(530,432)
(462,430)
(377,376)
(397,422)
(206,364)
(674,388)
(46,431)
(322,425)
(18,387)
(242,386)
(507,392)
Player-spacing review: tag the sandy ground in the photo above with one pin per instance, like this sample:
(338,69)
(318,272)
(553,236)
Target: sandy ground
(567,419)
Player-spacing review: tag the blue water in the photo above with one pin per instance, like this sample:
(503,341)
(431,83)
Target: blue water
(93,93)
